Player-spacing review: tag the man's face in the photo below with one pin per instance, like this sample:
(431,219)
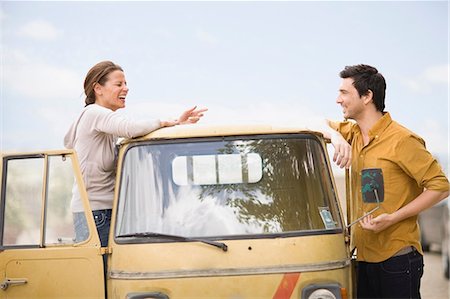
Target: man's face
(349,99)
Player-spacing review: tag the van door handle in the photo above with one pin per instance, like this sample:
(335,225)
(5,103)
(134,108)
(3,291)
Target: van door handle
(11,282)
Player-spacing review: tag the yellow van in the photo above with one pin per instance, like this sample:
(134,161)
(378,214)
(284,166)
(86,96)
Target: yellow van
(199,212)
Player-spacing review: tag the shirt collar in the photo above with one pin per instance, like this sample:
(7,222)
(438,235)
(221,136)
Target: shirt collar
(380,125)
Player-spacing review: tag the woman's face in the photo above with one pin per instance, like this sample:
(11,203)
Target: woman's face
(113,92)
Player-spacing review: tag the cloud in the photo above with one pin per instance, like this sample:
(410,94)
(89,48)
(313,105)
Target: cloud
(206,37)
(38,80)
(435,75)
(3,15)
(163,33)
(40,30)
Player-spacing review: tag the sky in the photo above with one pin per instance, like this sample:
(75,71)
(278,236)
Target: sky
(247,62)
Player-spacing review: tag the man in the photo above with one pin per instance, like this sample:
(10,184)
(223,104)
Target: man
(389,254)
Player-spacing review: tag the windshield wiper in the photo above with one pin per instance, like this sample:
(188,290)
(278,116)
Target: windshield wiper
(220,245)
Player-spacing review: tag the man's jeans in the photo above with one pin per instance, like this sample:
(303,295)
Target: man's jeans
(396,277)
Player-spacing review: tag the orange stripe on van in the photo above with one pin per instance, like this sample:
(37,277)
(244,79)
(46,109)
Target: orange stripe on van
(287,286)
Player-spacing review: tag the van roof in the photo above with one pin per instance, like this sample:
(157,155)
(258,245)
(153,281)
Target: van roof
(202,130)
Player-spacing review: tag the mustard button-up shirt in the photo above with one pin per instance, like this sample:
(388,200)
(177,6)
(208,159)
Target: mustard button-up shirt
(408,168)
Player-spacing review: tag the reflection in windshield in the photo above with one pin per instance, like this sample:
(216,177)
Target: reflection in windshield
(294,192)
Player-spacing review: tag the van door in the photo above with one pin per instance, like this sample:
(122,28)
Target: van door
(39,254)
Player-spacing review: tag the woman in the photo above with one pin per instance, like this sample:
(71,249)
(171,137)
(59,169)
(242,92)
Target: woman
(94,135)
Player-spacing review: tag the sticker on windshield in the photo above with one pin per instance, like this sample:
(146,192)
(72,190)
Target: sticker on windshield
(327,218)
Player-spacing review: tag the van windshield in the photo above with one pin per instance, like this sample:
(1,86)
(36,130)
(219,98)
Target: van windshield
(234,187)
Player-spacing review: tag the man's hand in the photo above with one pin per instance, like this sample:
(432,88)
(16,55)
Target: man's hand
(342,150)
(377,224)
(425,200)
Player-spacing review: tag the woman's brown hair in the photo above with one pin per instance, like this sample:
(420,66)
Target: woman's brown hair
(98,74)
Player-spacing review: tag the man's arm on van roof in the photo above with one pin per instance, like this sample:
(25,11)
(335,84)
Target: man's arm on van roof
(342,149)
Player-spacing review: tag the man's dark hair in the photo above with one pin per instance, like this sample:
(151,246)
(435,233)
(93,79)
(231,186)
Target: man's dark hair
(367,78)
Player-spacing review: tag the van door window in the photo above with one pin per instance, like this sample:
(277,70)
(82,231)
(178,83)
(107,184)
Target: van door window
(22,201)
(59,226)
(36,201)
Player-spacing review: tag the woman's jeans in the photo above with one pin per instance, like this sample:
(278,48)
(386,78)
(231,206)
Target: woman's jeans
(102,220)
(396,277)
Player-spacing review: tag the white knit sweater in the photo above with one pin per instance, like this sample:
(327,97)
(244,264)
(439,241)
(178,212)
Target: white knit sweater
(93,136)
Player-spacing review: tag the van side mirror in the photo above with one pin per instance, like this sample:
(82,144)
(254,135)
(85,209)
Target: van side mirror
(372,189)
